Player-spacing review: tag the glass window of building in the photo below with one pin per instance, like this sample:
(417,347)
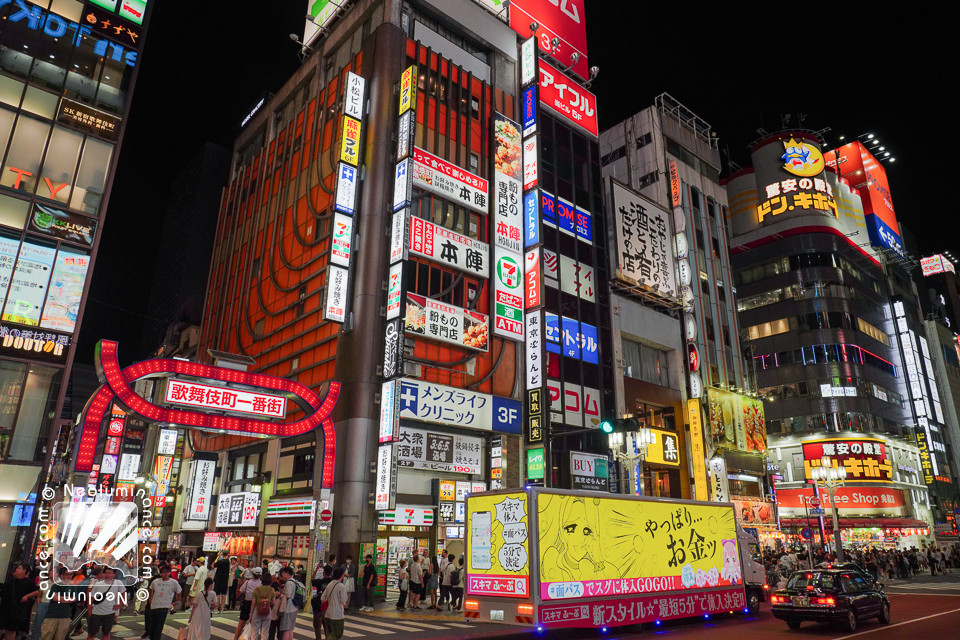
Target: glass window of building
(646,363)
(22,165)
(37,402)
(11,90)
(6,125)
(40,102)
(13,213)
(60,164)
(88,191)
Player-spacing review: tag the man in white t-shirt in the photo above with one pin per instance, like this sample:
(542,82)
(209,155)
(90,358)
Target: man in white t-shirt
(163,593)
(189,572)
(275,566)
(107,596)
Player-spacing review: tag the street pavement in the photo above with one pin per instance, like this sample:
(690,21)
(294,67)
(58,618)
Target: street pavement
(386,623)
(923,607)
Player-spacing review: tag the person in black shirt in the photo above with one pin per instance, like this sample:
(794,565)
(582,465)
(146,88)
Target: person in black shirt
(369,583)
(220,580)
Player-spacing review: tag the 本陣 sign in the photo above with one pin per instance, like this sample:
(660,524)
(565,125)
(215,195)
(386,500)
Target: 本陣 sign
(201,489)
(432,174)
(440,404)
(447,247)
(444,322)
(644,255)
(420,449)
(507,171)
(225,399)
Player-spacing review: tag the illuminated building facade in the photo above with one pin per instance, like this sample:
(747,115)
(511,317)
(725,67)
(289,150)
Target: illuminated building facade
(67,73)
(372,232)
(822,318)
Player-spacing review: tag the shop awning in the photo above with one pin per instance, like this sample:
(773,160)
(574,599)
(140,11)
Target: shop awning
(856,523)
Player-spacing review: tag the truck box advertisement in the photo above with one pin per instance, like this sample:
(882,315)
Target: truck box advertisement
(592,560)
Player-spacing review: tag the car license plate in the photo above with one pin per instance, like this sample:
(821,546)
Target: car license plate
(801,601)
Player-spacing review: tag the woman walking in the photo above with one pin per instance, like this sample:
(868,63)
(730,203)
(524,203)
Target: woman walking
(261,609)
(198,626)
(403,583)
(433,582)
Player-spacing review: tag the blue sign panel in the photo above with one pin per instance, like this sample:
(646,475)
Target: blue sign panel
(584,225)
(531,219)
(551,327)
(507,415)
(571,337)
(882,235)
(589,344)
(529,106)
(548,209)
(567,216)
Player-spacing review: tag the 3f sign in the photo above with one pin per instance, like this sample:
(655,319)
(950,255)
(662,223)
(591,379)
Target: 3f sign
(507,415)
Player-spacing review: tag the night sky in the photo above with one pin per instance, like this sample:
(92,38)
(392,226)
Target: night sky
(855,70)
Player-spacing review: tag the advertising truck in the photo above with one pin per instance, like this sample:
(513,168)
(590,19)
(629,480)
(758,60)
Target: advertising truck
(553,558)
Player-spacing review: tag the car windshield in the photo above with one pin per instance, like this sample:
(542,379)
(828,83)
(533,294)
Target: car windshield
(811,580)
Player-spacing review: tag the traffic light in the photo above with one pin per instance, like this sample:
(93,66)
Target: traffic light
(611,425)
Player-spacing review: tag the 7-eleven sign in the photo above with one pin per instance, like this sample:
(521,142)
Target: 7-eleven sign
(403,515)
(508,295)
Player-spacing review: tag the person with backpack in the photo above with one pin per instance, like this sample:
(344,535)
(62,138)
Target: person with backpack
(261,606)
(335,596)
(446,593)
(403,584)
(294,597)
(456,585)
(318,606)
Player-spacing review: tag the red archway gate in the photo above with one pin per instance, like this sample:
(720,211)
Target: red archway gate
(118,387)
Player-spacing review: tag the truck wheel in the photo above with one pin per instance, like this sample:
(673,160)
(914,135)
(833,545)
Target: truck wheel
(793,624)
(850,624)
(753,602)
(884,616)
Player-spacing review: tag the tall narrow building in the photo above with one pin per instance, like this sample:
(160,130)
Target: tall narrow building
(67,73)
(677,343)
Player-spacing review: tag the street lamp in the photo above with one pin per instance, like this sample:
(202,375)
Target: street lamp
(831,477)
(642,439)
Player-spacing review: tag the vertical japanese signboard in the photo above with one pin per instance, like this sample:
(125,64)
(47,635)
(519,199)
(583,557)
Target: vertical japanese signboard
(508,295)
(201,489)
(697,452)
(386,489)
(336,301)
(644,252)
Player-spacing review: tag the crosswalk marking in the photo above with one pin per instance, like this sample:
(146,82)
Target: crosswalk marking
(462,626)
(393,623)
(416,625)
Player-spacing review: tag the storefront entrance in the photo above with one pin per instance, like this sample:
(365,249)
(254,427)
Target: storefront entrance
(396,543)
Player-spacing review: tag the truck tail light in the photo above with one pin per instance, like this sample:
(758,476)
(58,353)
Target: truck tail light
(525,609)
(471,605)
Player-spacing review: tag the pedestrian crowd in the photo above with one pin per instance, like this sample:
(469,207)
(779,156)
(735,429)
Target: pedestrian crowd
(901,564)
(269,596)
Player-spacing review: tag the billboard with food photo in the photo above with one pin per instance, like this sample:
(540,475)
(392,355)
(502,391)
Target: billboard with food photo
(444,322)
(751,513)
(736,421)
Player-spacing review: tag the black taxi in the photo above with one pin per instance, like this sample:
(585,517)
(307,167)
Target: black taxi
(830,595)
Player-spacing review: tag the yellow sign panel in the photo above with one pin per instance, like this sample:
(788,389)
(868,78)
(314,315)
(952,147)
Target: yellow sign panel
(498,557)
(664,449)
(697,452)
(448,490)
(593,547)
(350,141)
(408,90)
